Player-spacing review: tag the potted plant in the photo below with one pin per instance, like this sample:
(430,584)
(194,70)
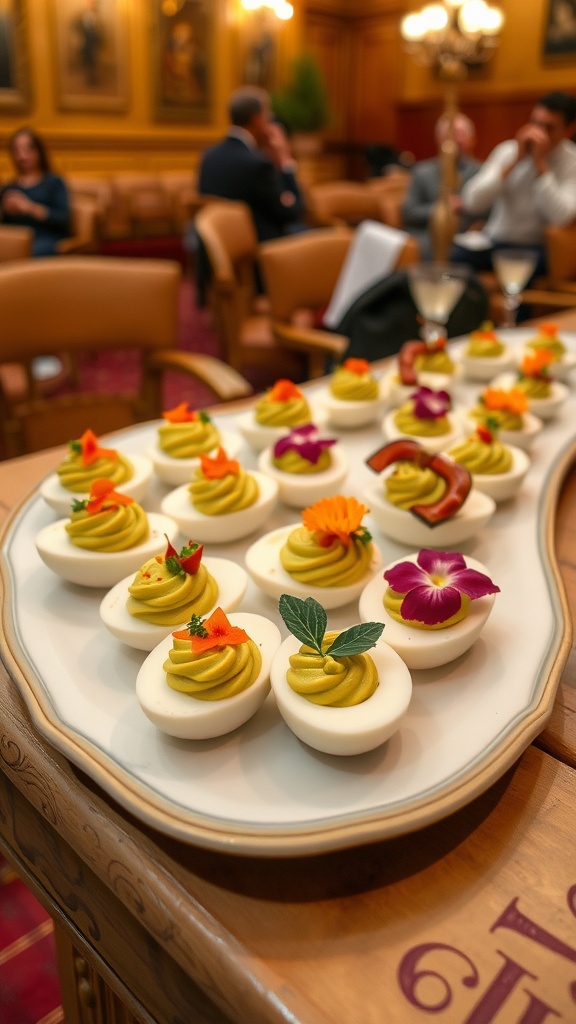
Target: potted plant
(303,105)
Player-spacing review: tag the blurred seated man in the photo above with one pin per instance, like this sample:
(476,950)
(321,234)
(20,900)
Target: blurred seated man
(253,164)
(528,183)
(425,182)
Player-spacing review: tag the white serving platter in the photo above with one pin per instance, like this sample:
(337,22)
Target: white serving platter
(260,791)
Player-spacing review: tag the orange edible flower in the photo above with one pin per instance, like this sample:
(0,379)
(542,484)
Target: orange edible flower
(102,493)
(283,390)
(180,414)
(90,449)
(334,517)
(513,400)
(220,634)
(549,329)
(534,362)
(359,366)
(219,465)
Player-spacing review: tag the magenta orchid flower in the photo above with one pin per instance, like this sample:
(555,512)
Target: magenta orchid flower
(433,585)
(304,440)
(429,404)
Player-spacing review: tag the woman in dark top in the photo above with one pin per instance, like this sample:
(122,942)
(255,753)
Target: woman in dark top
(36,198)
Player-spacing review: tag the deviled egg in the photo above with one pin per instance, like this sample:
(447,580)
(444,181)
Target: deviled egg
(450,599)
(485,355)
(422,498)
(341,693)
(304,466)
(509,408)
(222,502)
(166,591)
(100,568)
(425,418)
(496,469)
(545,395)
(353,397)
(184,436)
(282,408)
(239,655)
(329,556)
(87,461)
(546,337)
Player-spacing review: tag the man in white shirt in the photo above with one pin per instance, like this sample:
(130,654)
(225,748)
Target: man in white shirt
(526,183)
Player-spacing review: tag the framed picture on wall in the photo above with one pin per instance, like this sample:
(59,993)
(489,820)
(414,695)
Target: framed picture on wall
(182,59)
(14,84)
(560,30)
(91,54)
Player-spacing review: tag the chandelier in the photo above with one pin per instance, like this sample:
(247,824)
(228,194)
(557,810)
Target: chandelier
(451,35)
(281,8)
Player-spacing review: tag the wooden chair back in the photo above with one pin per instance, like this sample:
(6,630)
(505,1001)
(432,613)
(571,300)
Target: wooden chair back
(226,231)
(300,273)
(341,202)
(15,242)
(77,305)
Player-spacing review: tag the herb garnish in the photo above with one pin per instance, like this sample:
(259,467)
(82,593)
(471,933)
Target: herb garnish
(307,620)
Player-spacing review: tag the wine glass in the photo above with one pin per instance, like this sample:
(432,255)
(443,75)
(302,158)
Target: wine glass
(513,268)
(435,289)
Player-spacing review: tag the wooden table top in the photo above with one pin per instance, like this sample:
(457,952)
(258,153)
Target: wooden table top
(467,922)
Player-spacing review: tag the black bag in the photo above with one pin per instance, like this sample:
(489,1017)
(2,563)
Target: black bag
(384,317)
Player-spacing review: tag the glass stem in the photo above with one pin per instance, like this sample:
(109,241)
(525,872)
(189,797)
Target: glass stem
(511,304)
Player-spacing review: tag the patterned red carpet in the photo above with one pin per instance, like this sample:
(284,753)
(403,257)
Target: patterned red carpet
(29,989)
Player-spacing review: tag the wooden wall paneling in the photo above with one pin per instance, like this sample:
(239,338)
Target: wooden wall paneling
(377,73)
(328,38)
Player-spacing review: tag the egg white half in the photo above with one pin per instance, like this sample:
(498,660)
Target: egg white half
(180,471)
(100,568)
(60,498)
(345,731)
(225,528)
(502,486)
(560,368)
(486,367)
(405,527)
(425,648)
(351,414)
(298,490)
(262,561)
(232,582)
(186,717)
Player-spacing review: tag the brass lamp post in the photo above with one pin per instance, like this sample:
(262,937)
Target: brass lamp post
(449,37)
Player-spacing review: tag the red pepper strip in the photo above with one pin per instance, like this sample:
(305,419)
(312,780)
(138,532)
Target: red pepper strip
(191,563)
(407,358)
(457,478)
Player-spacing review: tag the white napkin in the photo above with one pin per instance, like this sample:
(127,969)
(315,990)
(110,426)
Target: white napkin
(372,255)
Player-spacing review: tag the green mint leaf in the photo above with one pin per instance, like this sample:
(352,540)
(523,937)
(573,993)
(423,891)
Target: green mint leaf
(196,627)
(173,566)
(79,506)
(204,417)
(75,446)
(307,619)
(356,640)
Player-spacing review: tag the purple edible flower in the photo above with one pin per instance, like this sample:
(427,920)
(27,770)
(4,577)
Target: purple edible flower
(429,404)
(304,440)
(434,584)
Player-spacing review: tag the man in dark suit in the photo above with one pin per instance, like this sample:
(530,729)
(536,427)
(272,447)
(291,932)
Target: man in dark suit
(253,164)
